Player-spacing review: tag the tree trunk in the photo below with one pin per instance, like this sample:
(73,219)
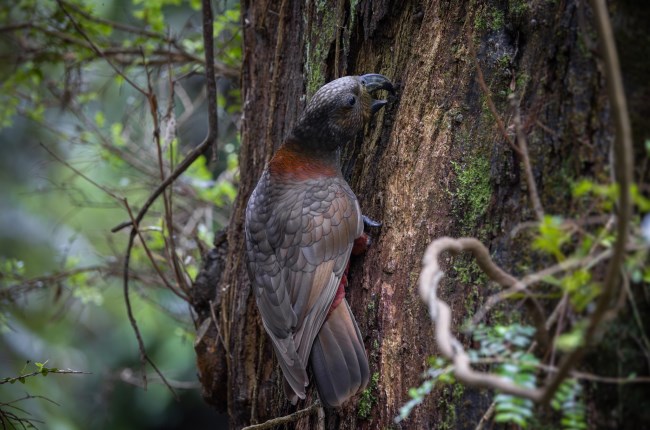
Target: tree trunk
(432,163)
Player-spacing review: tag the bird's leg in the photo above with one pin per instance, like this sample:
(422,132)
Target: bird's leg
(340,292)
(360,246)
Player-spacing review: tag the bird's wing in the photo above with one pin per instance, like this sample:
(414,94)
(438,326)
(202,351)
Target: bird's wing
(299,236)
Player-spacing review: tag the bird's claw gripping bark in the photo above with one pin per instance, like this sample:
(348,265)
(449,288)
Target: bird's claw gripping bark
(363,242)
(369,222)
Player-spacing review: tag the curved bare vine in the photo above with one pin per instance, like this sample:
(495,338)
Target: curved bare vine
(450,347)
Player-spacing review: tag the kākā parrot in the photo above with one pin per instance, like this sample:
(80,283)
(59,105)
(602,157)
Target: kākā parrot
(302,220)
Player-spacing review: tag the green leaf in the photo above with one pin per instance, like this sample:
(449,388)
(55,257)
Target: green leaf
(116,134)
(571,340)
(582,188)
(100,119)
(551,237)
(510,417)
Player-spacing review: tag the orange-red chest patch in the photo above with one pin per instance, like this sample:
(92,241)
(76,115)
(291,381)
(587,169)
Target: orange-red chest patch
(289,163)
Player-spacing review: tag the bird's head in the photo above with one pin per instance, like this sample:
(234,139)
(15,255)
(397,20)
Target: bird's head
(339,110)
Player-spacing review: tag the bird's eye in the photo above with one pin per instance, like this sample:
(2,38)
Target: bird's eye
(352,100)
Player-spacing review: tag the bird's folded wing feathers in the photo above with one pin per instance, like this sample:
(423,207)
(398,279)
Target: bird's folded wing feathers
(339,358)
(297,250)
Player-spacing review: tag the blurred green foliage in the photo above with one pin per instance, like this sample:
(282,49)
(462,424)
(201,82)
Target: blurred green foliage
(507,348)
(577,248)
(61,298)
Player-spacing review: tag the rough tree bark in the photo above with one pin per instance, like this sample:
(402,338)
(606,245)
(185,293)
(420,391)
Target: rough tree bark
(432,163)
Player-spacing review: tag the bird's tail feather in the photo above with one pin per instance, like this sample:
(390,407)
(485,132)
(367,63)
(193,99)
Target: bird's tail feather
(338,358)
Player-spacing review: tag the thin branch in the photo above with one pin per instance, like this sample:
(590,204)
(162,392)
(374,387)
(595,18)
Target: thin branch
(69,166)
(623,171)
(574,374)
(211,138)
(534,278)
(99,51)
(127,375)
(521,146)
(488,95)
(528,170)
(216,325)
(223,69)
(170,132)
(118,25)
(170,248)
(440,313)
(14,27)
(487,416)
(11,380)
(144,357)
(286,419)
(151,258)
(211,83)
(26,285)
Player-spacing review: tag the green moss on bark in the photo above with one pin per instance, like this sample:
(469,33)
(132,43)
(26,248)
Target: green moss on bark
(473,189)
(368,398)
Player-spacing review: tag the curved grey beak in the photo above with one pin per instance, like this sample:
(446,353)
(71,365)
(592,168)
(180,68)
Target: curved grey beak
(374,82)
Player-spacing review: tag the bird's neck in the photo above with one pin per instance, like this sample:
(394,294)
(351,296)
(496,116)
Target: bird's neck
(297,161)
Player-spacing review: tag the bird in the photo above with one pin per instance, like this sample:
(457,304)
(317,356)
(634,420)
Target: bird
(301,223)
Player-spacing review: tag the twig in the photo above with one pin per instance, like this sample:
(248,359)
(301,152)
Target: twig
(158,270)
(25,285)
(440,313)
(521,146)
(78,172)
(170,245)
(623,171)
(534,278)
(11,380)
(525,159)
(144,357)
(574,374)
(285,419)
(127,375)
(216,325)
(211,138)
(488,95)
(549,323)
(645,344)
(99,51)
(487,416)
